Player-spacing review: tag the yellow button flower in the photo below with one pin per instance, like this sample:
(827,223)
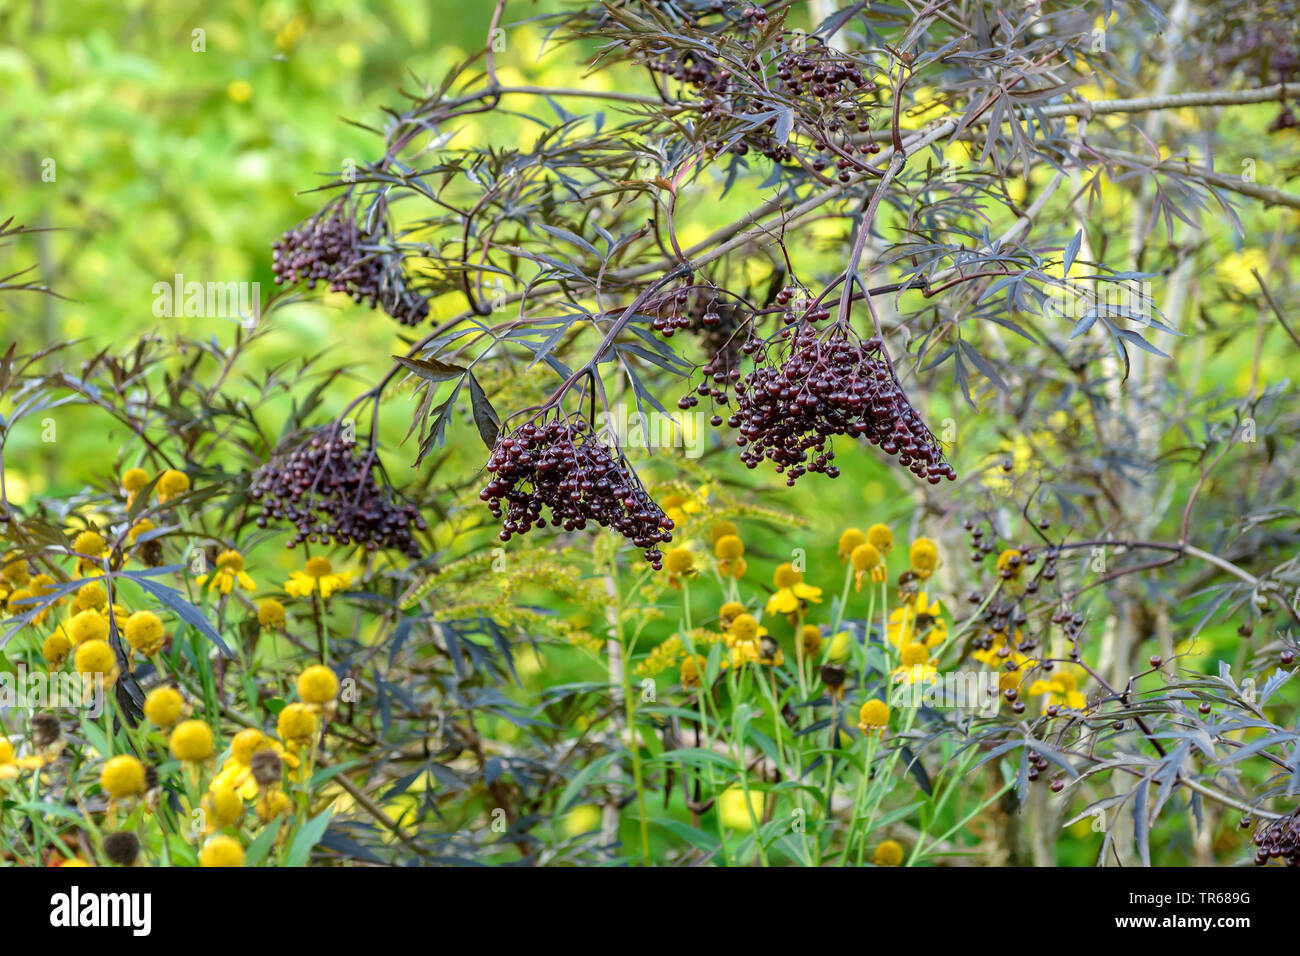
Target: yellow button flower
(920,621)
(867,562)
(318,685)
(889,853)
(224,807)
(56,648)
(924,557)
(221,851)
(133,479)
(851,539)
(87,626)
(270,614)
(191,741)
(790,590)
(915,665)
(171,484)
(873,717)
(812,640)
(679,563)
(880,536)
(95,659)
(728,614)
(122,777)
(144,632)
(164,706)
(297,724)
(91,596)
(273,803)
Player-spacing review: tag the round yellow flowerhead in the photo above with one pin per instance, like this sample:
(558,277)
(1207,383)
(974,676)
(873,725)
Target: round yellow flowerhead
(13,603)
(318,567)
(851,538)
(785,576)
(95,659)
(297,724)
(133,479)
(1010,564)
(924,557)
(192,741)
(721,530)
(865,557)
(270,614)
(273,803)
(729,547)
(889,853)
(812,639)
(224,805)
(744,627)
(679,561)
(91,596)
(913,654)
(246,743)
(221,850)
(732,809)
(89,543)
(728,613)
(87,626)
(317,685)
(873,717)
(144,632)
(122,776)
(690,672)
(881,537)
(163,706)
(171,483)
(56,648)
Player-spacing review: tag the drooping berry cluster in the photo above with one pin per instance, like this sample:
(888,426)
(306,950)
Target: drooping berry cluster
(1279,840)
(561,464)
(330,493)
(819,384)
(332,248)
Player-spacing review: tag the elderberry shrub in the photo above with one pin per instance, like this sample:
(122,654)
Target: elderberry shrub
(808,385)
(329,493)
(561,464)
(1279,840)
(330,247)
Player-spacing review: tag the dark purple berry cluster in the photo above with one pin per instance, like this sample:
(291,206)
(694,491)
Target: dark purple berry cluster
(330,493)
(815,384)
(332,248)
(1279,840)
(561,464)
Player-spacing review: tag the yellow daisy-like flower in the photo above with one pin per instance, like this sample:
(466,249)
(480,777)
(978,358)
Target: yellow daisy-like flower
(230,572)
(867,563)
(144,632)
(880,536)
(12,766)
(164,706)
(270,614)
(237,771)
(171,484)
(790,590)
(222,851)
(745,628)
(90,547)
(851,539)
(918,621)
(122,777)
(297,724)
(1061,689)
(95,659)
(318,685)
(889,853)
(317,575)
(924,557)
(87,626)
(730,552)
(915,665)
(873,717)
(56,648)
(679,506)
(734,813)
(192,742)
(91,596)
(728,614)
(679,563)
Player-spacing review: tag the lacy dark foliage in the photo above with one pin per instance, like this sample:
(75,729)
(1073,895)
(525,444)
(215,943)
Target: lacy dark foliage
(330,493)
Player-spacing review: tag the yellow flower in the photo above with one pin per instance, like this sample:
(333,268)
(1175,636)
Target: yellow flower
(56,648)
(87,626)
(133,479)
(680,563)
(728,613)
(163,706)
(144,632)
(730,551)
(769,652)
(12,766)
(237,772)
(850,540)
(790,590)
(889,853)
(1061,689)
(745,628)
(122,776)
(90,547)
(691,671)
(230,571)
(297,724)
(677,506)
(273,803)
(924,557)
(318,685)
(880,536)
(270,614)
(1011,565)
(221,851)
(721,530)
(94,659)
(240,91)
(171,484)
(581,819)
(19,601)
(915,665)
(192,741)
(866,561)
(15,572)
(317,574)
(873,718)
(733,811)
(918,621)
(143,526)
(91,596)
(224,807)
(812,640)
